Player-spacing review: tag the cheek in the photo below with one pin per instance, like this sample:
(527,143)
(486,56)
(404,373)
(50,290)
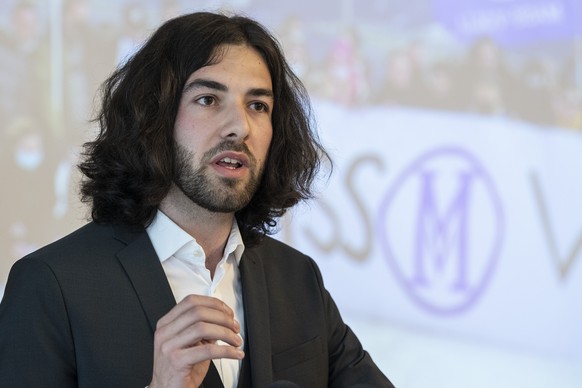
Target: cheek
(191,131)
(265,143)
(181,127)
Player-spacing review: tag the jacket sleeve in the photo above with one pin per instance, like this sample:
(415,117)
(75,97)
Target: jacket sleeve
(36,346)
(349,364)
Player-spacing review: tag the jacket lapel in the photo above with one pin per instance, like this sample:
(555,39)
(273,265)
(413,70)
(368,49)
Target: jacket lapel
(256,305)
(145,272)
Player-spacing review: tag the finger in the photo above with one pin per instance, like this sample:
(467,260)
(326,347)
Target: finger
(195,300)
(192,301)
(199,334)
(206,314)
(208,351)
(195,315)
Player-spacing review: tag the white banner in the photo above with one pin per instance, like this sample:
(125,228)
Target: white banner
(457,224)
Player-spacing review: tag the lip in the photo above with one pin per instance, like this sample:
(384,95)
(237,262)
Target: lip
(226,172)
(241,157)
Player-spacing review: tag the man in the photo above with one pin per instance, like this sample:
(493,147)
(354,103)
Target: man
(205,140)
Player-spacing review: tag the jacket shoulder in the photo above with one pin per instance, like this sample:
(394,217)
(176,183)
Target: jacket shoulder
(88,243)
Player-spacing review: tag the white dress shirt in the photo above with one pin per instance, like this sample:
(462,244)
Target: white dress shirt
(184,260)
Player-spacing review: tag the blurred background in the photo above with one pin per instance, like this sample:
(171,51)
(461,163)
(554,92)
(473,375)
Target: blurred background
(450,233)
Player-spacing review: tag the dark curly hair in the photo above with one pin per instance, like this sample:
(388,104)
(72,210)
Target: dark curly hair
(128,169)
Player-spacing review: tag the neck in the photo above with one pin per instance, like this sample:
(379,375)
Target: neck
(210,229)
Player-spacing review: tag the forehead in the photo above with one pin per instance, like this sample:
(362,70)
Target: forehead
(236,63)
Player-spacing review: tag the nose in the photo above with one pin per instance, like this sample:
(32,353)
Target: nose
(237,126)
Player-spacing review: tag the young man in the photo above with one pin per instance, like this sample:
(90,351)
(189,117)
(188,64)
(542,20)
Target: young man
(205,140)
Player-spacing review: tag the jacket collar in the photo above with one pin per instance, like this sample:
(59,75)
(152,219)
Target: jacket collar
(145,272)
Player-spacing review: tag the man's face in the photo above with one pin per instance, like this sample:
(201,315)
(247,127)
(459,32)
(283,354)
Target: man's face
(223,130)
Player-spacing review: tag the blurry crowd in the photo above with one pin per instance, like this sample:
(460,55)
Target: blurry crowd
(51,68)
(50,72)
(534,86)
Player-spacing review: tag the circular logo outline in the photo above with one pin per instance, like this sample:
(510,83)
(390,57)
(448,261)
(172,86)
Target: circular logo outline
(383,232)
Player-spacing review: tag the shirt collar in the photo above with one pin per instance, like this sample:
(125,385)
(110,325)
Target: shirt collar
(167,238)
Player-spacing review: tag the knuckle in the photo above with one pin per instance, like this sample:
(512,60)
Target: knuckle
(166,349)
(160,323)
(163,330)
(174,358)
(157,341)
(194,313)
(159,336)
(200,328)
(209,351)
(191,299)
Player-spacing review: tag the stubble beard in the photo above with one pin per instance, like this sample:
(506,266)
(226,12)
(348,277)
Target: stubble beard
(216,194)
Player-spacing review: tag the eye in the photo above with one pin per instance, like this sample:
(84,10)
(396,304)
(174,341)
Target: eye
(206,100)
(260,107)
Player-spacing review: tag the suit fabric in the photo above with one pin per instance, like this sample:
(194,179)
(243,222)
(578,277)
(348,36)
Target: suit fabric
(82,312)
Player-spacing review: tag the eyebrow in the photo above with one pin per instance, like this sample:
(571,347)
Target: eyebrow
(261,92)
(205,83)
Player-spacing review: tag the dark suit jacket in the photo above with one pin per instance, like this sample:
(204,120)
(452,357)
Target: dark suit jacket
(82,311)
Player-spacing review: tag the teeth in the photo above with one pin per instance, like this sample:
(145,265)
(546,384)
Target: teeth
(230,161)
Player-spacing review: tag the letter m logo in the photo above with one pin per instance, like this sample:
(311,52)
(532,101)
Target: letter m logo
(441,232)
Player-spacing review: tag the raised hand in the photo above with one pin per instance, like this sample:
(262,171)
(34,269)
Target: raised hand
(186,338)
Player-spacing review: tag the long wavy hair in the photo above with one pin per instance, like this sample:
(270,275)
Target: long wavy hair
(129,168)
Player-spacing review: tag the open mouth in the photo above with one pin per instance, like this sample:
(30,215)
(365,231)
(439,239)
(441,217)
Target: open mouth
(230,163)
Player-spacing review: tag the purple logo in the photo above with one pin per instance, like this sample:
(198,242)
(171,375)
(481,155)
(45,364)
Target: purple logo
(510,21)
(441,229)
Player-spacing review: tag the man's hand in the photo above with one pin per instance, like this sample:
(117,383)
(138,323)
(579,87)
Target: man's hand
(185,341)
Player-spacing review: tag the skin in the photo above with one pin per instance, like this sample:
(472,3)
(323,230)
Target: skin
(225,112)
